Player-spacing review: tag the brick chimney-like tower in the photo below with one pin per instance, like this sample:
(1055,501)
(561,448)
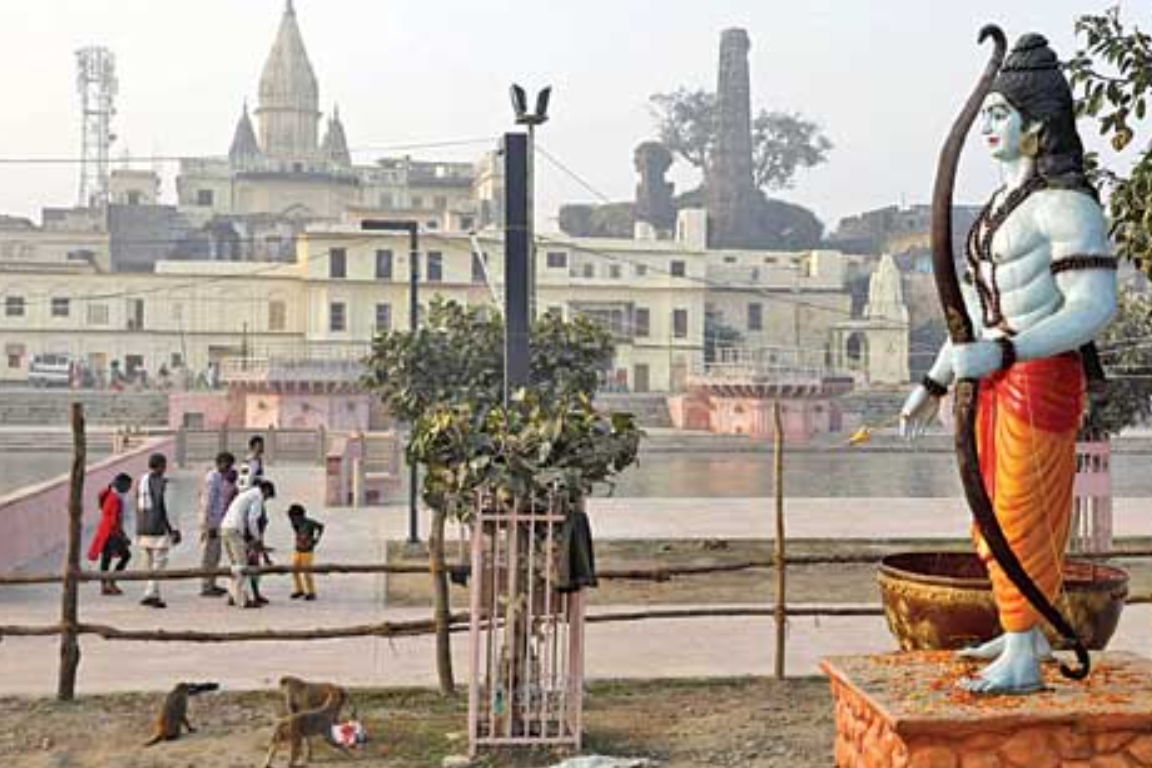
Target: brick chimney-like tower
(731,192)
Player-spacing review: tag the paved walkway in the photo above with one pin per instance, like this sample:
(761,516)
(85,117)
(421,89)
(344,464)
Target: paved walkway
(719,646)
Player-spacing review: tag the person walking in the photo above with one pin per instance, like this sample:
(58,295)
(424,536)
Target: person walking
(110,541)
(241,522)
(253,467)
(308,533)
(218,492)
(156,531)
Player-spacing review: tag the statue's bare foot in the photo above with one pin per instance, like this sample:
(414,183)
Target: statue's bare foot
(1017,670)
(994,647)
(987,651)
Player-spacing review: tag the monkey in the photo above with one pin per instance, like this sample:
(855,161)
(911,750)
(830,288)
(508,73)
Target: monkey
(298,728)
(174,714)
(300,695)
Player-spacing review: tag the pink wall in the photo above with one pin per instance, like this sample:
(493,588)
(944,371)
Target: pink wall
(802,417)
(34,520)
(339,412)
(215,407)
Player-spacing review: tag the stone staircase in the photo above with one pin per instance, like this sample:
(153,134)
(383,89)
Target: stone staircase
(51,408)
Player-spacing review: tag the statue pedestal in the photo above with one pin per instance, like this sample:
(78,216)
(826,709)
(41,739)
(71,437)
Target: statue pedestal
(903,710)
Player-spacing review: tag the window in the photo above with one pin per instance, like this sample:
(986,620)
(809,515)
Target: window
(556,311)
(386,200)
(135,314)
(384,265)
(588,271)
(133,198)
(97,314)
(756,317)
(432,225)
(557,260)
(337,319)
(678,269)
(614,271)
(467,223)
(641,270)
(680,323)
(643,322)
(383,317)
(204,197)
(440,202)
(15,354)
(338,263)
(277,315)
(435,266)
(417,201)
(479,273)
(14,306)
(61,307)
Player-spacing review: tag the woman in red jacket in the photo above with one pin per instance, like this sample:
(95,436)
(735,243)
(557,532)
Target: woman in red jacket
(111,541)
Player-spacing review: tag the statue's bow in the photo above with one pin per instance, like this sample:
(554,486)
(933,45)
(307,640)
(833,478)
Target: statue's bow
(961,331)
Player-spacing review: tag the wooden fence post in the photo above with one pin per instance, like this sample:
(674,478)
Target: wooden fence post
(69,604)
(781,568)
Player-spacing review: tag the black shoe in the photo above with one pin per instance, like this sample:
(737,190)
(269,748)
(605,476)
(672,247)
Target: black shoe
(252,604)
(150,601)
(158,603)
(213,592)
(310,597)
(297,595)
(261,601)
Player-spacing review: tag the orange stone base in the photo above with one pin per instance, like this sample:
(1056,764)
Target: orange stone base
(903,710)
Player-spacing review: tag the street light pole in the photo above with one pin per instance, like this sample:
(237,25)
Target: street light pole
(531,119)
(413,230)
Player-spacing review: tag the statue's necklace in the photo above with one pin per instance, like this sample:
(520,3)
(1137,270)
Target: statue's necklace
(979,248)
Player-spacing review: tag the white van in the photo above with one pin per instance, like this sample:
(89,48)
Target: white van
(50,370)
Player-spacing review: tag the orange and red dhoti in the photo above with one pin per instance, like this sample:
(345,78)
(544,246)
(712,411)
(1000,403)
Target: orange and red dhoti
(1027,418)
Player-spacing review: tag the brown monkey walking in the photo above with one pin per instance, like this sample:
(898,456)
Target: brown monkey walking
(298,729)
(300,695)
(173,715)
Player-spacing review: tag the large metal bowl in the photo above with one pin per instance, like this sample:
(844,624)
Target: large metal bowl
(943,600)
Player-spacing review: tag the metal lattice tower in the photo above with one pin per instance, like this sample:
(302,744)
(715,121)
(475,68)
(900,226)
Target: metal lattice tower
(97,84)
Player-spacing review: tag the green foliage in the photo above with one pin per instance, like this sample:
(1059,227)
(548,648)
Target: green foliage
(782,142)
(1126,351)
(529,449)
(447,380)
(1112,75)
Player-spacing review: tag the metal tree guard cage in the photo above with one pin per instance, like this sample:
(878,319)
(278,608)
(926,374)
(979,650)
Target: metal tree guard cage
(527,638)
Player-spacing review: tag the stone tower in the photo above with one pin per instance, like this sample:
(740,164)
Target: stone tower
(289,108)
(731,191)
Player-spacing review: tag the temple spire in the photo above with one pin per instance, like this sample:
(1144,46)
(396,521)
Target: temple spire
(288,110)
(335,146)
(245,148)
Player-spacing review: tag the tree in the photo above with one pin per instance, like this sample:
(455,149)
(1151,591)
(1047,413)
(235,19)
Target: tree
(1126,350)
(718,335)
(446,379)
(1112,75)
(782,142)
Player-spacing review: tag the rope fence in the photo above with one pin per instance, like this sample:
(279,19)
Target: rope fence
(70,628)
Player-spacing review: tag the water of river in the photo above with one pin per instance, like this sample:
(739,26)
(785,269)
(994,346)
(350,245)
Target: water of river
(832,473)
(18,470)
(672,475)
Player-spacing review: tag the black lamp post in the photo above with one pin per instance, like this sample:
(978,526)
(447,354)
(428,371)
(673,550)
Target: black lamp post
(413,230)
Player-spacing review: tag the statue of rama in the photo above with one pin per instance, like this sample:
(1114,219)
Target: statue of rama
(1040,284)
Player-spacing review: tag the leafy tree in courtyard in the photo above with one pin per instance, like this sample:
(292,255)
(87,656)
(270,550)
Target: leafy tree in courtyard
(782,142)
(447,380)
(1112,75)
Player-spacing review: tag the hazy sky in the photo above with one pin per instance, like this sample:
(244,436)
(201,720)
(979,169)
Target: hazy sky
(884,78)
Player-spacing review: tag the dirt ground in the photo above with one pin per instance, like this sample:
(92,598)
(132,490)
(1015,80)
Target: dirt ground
(840,583)
(756,723)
